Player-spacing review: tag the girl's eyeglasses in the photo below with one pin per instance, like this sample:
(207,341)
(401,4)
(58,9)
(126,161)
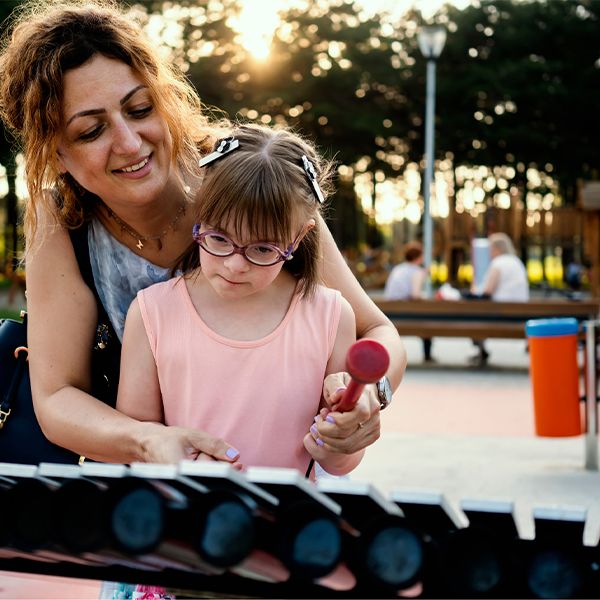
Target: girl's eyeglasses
(262,254)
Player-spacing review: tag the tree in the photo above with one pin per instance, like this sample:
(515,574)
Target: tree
(7,158)
(332,74)
(519,82)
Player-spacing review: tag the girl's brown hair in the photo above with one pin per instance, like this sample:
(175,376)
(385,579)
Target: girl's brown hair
(262,190)
(50,37)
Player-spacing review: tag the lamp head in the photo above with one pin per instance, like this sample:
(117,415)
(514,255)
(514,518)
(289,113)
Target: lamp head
(431,40)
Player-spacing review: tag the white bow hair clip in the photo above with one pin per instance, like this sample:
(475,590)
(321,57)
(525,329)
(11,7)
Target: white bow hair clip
(222,148)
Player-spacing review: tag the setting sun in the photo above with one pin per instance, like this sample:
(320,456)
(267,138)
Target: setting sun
(256,27)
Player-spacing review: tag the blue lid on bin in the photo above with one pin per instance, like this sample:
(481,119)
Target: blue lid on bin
(551,327)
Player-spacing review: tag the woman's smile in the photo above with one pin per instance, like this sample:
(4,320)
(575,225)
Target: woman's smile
(137,170)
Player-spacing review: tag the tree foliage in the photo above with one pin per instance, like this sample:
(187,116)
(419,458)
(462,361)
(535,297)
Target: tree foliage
(523,80)
(517,84)
(7,8)
(518,81)
(7,159)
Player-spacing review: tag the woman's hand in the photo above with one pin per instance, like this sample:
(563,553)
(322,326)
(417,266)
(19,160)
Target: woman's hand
(170,444)
(350,431)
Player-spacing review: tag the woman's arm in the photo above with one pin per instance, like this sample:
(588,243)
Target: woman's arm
(62,319)
(370,321)
(326,440)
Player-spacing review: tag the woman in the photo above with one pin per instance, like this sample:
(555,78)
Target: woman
(112,136)
(505,281)
(405,282)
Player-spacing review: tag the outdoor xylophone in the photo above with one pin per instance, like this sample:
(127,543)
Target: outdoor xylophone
(205,527)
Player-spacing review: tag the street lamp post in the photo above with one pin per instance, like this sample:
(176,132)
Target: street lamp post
(431,43)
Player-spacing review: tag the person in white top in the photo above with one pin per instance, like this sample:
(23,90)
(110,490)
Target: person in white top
(505,280)
(405,282)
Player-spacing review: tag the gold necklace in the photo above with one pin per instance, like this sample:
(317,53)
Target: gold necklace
(146,238)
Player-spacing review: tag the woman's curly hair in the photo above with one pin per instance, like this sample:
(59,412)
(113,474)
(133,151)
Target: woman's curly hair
(46,38)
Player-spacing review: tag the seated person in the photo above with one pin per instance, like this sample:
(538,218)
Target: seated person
(405,282)
(505,281)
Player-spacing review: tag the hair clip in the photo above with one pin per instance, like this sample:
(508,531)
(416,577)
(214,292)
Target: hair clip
(222,147)
(311,173)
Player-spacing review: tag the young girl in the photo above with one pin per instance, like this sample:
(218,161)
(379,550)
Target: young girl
(250,298)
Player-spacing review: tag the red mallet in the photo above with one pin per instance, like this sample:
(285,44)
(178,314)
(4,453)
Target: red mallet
(367,361)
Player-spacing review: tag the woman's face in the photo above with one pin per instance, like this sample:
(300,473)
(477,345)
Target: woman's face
(113,141)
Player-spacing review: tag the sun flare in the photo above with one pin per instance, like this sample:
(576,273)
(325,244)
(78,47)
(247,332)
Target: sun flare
(258,20)
(256,27)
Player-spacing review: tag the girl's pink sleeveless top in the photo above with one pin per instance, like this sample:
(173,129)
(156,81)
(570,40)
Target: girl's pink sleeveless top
(259,396)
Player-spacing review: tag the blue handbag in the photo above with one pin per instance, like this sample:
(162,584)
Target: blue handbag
(21,438)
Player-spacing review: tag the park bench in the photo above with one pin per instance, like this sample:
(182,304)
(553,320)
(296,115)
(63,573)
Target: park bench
(480,319)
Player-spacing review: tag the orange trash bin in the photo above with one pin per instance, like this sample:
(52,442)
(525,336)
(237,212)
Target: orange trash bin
(554,376)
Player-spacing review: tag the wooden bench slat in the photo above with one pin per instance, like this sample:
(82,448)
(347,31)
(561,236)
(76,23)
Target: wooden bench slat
(479,319)
(470,329)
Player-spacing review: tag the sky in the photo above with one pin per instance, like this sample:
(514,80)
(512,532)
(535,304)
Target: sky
(427,7)
(256,27)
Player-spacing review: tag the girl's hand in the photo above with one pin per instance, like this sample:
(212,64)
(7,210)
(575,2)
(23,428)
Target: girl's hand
(170,444)
(350,431)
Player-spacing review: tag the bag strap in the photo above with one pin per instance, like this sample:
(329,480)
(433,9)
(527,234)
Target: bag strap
(106,354)
(79,239)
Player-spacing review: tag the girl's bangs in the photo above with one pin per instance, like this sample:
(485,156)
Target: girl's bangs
(250,207)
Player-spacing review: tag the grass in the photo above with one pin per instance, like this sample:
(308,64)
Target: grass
(10,313)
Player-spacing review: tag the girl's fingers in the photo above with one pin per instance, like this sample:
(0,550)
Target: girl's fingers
(351,431)
(334,386)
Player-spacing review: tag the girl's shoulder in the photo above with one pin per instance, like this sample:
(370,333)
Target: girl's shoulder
(323,296)
(327,292)
(163,289)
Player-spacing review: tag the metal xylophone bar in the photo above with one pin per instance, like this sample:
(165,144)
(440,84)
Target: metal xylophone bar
(556,563)
(105,514)
(430,513)
(140,516)
(288,510)
(308,536)
(385,551)
(479,555)
(489,559)
(271,533)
